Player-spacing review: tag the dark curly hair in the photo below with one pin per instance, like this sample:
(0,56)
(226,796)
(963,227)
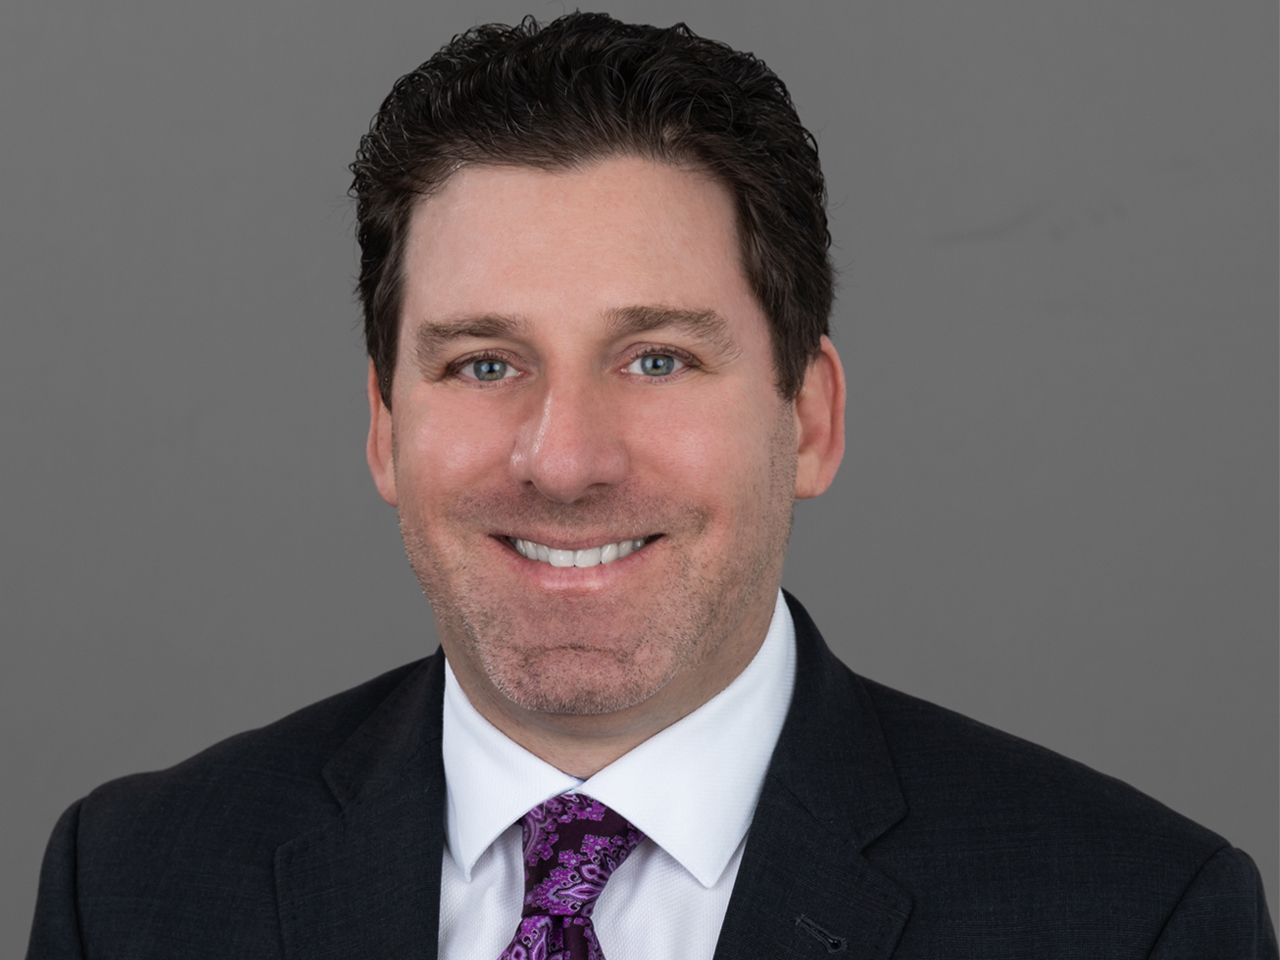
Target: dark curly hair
(581,88)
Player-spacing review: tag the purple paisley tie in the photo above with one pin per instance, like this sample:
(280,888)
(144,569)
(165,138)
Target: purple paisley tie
(572,845)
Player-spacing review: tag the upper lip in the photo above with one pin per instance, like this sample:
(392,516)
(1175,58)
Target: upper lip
(556,542)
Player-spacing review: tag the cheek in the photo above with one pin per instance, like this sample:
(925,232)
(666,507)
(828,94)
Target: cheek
(448,447)
(714,452)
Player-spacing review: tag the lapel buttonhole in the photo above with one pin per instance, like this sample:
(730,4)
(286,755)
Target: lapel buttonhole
(833,943)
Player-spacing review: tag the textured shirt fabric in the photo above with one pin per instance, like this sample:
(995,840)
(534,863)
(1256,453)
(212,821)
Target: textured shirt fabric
(692,789)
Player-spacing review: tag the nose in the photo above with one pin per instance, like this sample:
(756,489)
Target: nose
(570,442)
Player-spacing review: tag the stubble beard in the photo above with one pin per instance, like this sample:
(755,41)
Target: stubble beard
(694,617)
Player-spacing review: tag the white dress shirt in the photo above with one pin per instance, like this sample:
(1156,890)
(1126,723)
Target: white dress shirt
(692,789)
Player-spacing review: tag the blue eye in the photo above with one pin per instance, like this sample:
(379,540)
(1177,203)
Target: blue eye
(488,368)
(656,364)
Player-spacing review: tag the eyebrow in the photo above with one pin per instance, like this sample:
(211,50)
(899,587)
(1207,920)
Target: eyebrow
(706,325)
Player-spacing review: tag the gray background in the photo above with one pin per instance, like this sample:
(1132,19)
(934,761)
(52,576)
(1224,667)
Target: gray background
(1056,225)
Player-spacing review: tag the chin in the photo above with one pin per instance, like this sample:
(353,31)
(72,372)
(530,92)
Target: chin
(578,681)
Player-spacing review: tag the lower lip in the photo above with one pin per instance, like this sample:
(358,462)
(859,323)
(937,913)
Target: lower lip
(576,579)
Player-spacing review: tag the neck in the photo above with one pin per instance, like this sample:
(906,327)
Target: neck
(578,748)
(583,744)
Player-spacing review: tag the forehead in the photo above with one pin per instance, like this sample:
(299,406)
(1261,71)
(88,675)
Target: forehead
(578,242)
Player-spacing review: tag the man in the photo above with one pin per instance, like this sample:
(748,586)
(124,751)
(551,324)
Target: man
(596,291)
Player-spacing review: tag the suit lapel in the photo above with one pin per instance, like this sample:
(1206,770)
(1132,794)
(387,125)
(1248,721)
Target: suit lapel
(367,884)
(804,888)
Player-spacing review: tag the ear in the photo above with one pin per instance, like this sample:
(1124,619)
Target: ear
(378,450)
(819,411)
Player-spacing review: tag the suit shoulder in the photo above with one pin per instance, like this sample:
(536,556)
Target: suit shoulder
(256,768)
(953,767)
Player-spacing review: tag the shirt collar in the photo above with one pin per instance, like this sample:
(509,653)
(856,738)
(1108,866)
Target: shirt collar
(492,781)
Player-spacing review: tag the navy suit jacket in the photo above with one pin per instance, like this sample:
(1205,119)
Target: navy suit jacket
(887,827)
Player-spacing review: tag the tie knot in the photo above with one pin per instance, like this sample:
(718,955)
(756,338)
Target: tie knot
(572,845)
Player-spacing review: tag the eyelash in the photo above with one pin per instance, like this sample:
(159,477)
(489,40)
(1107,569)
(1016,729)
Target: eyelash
(453,369)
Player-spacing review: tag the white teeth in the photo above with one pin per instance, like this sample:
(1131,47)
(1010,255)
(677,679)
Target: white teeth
(587,558)
(594,556)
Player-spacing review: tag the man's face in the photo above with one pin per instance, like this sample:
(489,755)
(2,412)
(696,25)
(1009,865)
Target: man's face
(583,367)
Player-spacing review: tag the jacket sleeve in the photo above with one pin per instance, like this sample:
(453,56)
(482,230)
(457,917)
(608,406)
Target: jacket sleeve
(55,932)
(1222,915)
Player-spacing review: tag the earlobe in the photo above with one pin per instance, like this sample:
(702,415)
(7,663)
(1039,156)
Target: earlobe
(378,449)
(819,412)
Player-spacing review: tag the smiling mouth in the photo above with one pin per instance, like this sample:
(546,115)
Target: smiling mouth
(590,557)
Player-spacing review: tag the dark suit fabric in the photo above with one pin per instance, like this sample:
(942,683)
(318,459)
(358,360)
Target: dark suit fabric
(886,827)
